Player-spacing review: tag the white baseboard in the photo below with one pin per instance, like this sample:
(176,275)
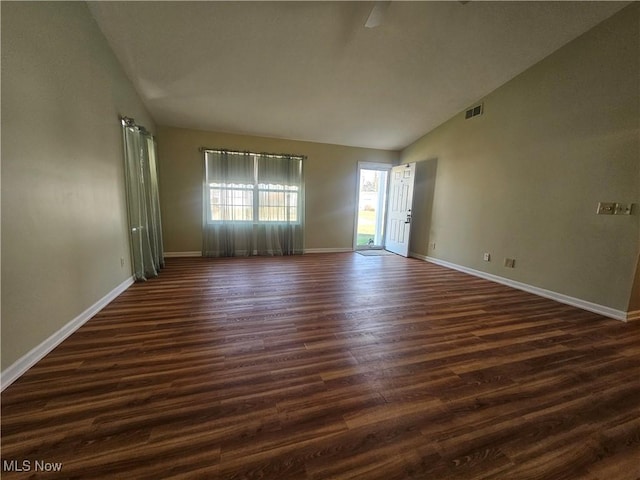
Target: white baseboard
(328,250)
(559,297)
(24,363)
(182,254)
(633,316)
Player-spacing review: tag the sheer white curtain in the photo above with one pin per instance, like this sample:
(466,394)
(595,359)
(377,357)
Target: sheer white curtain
(281,206)
(228,205)
(143,203)
(153,200)
(253,204)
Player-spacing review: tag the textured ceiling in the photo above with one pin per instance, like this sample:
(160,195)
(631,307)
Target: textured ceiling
(312,71)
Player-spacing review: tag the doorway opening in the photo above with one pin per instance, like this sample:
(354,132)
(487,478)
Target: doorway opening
(372,201)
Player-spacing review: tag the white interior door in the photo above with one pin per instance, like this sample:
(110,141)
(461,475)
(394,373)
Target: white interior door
(399,211)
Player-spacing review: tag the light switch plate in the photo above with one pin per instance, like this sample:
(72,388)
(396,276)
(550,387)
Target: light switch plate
(606,208)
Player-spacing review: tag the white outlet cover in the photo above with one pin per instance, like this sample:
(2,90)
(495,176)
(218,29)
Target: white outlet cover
(622,209)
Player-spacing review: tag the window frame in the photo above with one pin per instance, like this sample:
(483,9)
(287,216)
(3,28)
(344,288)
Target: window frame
(287,190)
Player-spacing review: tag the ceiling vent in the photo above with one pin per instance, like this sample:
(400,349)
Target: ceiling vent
(474,111)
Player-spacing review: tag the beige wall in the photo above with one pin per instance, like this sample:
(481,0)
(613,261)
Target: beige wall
(330,184)
(523,180)
(63,201)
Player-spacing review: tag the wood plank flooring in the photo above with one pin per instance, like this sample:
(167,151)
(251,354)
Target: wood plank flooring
(330,367)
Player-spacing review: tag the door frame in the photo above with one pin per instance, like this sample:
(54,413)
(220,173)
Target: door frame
(385,167)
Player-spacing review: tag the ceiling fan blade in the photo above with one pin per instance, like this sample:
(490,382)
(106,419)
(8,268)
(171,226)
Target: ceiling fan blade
(376,16)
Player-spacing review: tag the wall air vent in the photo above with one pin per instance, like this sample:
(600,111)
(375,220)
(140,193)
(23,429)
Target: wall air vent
(474,111)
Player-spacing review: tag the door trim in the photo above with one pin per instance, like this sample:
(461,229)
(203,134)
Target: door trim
(370,166)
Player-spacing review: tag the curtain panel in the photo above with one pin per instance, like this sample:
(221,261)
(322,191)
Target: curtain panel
(143,202)
(253,204)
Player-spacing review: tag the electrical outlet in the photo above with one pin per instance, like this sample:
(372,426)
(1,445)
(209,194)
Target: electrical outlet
(121,262)
(487,257)
(622,208)
(433,245)
(510,262)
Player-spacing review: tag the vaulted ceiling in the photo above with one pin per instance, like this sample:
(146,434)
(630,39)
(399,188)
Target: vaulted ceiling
(312,70)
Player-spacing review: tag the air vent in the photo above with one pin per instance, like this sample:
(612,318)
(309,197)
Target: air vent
(474,111)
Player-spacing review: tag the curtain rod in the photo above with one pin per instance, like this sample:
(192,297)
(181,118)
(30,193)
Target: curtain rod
(246,152)
(130,122)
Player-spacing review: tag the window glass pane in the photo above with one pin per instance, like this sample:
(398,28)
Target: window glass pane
(272,186)
(248,186)
(278,205)
(231,204)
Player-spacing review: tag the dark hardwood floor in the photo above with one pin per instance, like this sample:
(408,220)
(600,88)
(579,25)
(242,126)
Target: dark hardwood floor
(330,367)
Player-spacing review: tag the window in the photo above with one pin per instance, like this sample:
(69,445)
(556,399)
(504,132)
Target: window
(252,188)
(277,203)
(231,202)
